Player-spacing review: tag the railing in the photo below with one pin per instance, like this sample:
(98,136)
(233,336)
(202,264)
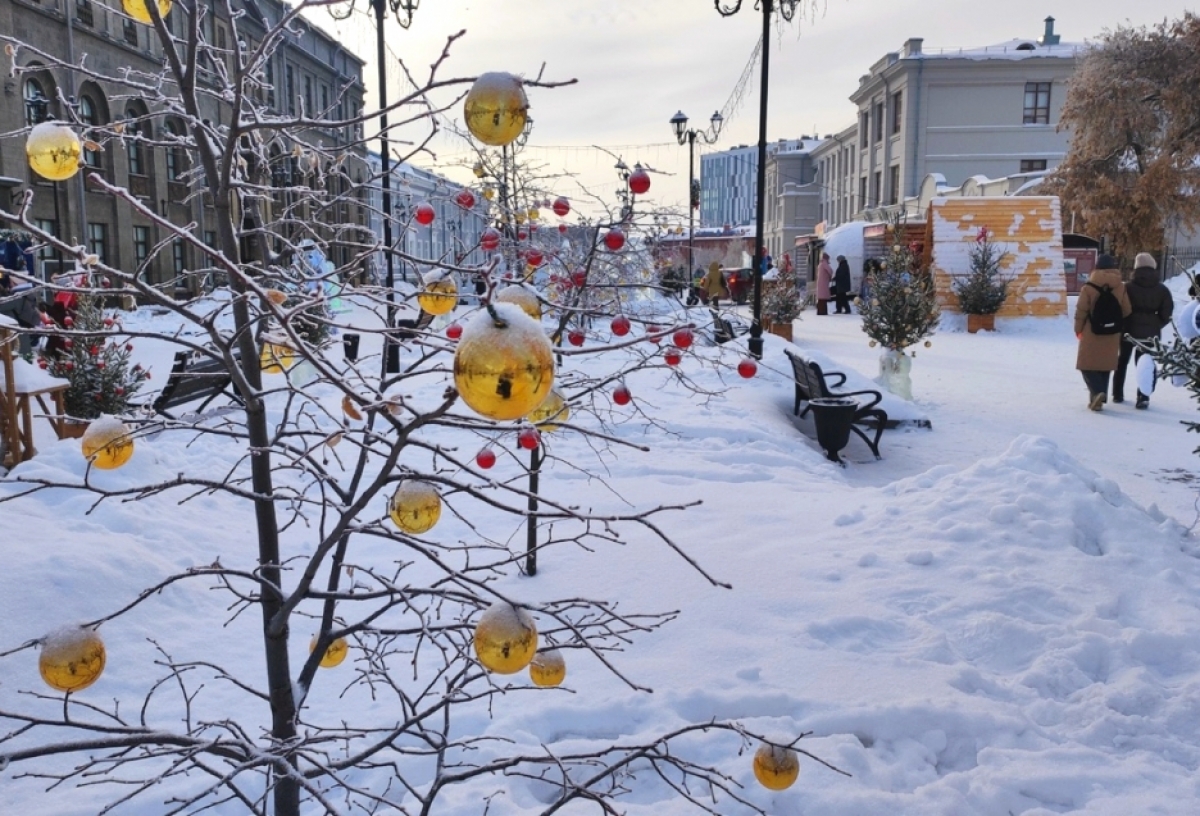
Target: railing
(1178,261)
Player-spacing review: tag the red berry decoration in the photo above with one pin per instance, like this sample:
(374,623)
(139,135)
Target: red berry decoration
(94,350)
(621,395)
(118,390)
(424,213)
(68,321)
(614,239)
(454,331)
(534,257)
(106,283)
(68,343)
(575,337)
(747,367)
(485,458)
(465,199)
(129,346)
(522,235)
(653,334)
(562,229)
(672,357)
(108,321)
(100,364)
(620,325)
(532,229)
(561,207)
(69,366)
(683,338)
(529,438)
(579,278)
(489,240)
(639,181)
(42,364)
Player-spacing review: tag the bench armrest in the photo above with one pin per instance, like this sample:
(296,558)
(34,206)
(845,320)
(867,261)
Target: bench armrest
(876,398)
(828,374)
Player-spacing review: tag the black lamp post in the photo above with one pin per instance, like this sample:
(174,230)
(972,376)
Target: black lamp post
(683,134)
(787,10)
(391,350)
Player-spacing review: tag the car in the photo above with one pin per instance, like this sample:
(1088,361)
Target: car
(740,283)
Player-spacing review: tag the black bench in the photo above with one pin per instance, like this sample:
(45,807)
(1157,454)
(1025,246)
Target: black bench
(723,329)
(812,382)
(408,328)
(194,377)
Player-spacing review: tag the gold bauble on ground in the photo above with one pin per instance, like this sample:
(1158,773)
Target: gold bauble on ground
(496,109)
(548,668)
(138,11)
(776,768)
(72,658)
(107,443)
(53,151)
(438,293)
(335,653)
(503,366)
(415,506)
(505,638)
(521,296)
(552,411)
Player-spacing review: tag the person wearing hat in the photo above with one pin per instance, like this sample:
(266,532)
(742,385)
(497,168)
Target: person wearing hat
(1152,307)
(841,286)
(824,284)
(1098,353)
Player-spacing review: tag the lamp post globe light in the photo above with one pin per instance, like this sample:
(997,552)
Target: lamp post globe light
(403,9)
(688,136)
(787,10)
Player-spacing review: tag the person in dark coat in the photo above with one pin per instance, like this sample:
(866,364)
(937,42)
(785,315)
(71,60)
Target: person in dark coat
(1152,307)
(1098,353)
(841,286)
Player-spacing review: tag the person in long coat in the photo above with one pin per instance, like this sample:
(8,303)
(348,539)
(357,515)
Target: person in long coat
(824,279)
(1152,307)
(713,284)
(841,285)
(1098,353)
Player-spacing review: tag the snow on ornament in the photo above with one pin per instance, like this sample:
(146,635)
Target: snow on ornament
(424,213)
(496,108)
(415,506)
(522,296)
(672,357)
(107,443)
(534,257)
(505,638)
(622,395)
(776,768)
(575,337)
(335,653)
(614,239)
(486,458)
(137,9)
(465,199)
(620,325)
(639,181)
(683,338)
(438,294)
(529,438)
(454,331)
(747,368)
(489,240)
(504,365)
(561,207)
(548,669)
(53,151)
(72,658)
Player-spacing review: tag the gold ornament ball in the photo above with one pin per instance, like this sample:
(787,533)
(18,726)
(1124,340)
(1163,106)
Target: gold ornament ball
(72,658)
(496,109)
(533,213)
(478,170)
(552,411)
(776,768)
(438,292)
(503,366)
(415,506)
(53,151)
(107,443)
(276,358)
(505,638)
(334,654)
(489,193)
(521,296)
(548,668)
(138,11)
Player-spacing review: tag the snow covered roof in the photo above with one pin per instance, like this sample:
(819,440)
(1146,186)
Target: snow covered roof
(1017,49)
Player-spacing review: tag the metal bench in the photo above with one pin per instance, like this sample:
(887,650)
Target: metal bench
(811,383)
(408,328)
(194,377)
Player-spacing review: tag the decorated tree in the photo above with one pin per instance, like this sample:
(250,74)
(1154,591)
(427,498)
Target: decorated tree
(983,290)
(899,310)
(781,296)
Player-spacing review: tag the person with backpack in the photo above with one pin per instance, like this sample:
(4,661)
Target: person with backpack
(1152,307)
(1099,320)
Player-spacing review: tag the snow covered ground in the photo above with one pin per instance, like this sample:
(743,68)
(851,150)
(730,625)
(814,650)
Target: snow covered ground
(999,617)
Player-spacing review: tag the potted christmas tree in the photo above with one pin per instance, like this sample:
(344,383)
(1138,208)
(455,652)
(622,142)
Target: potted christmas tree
(982,292)
(781,302)
(95,361)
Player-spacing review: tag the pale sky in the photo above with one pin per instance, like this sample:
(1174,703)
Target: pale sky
(639,61)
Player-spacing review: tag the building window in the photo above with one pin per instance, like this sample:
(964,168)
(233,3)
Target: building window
(178,256)
(97,240)
(324,101)
(862,193)
(129,30)
(83,12)
(289,86)
(137,166)
(176,159)
(141,245)
(37,106)
(897,111)
(894,184)
(89,117)
(878,121)
(270,81)
(876,184)
(1037,103)
(308,97)
(1032,165)
(864,128)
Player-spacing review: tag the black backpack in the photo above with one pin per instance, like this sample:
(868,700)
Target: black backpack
(1106,316)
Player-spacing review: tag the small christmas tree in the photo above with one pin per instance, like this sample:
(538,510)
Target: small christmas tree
(781,298)
(984,289)
(900,308)
(96,363)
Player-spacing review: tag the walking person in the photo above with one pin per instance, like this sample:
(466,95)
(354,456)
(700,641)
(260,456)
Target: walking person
(1152,307)
(824,281)
(841,285)
(1103,304)
(713,285)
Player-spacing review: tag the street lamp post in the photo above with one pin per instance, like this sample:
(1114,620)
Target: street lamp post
(683,134)
(787,10)
(391,350)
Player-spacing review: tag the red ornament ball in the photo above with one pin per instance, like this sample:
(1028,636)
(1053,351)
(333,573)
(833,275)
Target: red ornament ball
(579,278)
(68,343)
(620,325)
(529,438)
(575,337)
(68,321)
(522,235)
(653,334)
(562,229)
(533,228)
(747,367)
(454,331)
(465,199)
(42,364)
(129,346)
(485,458)
(683,338)
(489,240)
(639,181)
(94,350)
(108,321)
(672,357)
(621,395)
(424,213)
(614,239)
(534,257)
(561,207)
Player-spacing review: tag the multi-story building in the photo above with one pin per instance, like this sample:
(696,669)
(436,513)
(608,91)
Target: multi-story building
(991,111)
(728,181)
(793,197)
(309,74)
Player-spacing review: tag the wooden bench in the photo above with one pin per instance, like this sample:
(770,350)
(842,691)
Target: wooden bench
(194,377)
(17,398)
(812,382)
